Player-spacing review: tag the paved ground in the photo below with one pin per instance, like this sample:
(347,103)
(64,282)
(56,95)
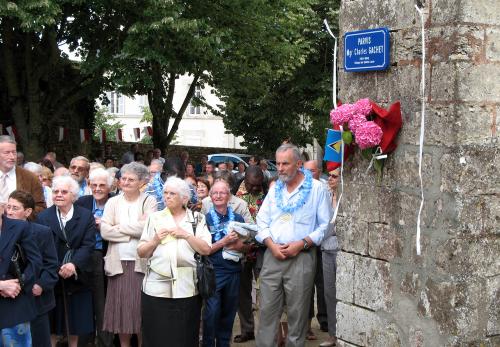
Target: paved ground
(315,327)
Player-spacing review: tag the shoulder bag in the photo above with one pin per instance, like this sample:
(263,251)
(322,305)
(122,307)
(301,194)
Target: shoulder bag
(205,272)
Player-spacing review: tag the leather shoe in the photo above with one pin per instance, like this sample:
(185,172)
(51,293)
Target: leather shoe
(243,338)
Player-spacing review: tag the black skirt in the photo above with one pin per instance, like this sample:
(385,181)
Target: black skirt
(170,322)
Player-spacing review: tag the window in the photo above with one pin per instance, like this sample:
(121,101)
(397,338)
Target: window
(195,110)
(116,102)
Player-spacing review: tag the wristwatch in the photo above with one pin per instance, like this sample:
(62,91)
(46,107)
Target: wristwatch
(306,245)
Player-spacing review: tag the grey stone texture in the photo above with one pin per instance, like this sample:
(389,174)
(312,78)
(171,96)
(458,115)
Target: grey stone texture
(449,295)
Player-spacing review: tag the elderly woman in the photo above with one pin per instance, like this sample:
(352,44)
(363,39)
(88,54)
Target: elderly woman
(73,228)
(20,206)
(100,182)
(170,239)
(122,224)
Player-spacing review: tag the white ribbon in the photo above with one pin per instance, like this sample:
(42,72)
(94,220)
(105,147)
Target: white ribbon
(334,217)
(422,127)
(334,82)
(376,156)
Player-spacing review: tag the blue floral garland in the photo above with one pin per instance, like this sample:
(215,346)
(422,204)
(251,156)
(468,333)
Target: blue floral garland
(302,197)
(220,232)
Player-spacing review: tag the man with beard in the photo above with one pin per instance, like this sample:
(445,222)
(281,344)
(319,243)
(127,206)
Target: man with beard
(292,221)
(79,168)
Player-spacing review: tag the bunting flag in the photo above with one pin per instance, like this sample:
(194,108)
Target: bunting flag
(137,133)
(119,135)
(11,131)
(333,146)
(102,136)
(61,133)
(84,135)
(149,131)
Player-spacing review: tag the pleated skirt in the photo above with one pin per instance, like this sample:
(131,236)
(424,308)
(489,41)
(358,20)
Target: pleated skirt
(122,311)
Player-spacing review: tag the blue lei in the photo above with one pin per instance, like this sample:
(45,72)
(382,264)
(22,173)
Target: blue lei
(220,229)
(302,196)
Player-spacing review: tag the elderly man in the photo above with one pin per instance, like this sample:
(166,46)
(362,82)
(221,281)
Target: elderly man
(292,221)
(79,168)
(100,182)
(155,184)
(238,205)
(13,177)
(220,309)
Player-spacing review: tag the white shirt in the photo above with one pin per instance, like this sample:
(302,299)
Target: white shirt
(64,219)
(309,220)
(11,180)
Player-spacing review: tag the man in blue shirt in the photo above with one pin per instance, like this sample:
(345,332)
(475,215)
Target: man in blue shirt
(220,309)
(292,221)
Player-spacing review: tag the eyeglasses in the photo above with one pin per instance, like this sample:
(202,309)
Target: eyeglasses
(127,179)
(62,192)
(219,193)
(333,176)
(13,208)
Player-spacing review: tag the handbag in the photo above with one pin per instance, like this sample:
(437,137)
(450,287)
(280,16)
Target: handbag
(18,264)
(205,272)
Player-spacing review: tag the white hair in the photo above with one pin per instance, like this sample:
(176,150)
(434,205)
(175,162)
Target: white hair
(179,186)
(137,169)
(101,173)
(33,167)
(66,181)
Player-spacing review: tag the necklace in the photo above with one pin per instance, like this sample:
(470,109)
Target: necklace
(301,198)
(221,229)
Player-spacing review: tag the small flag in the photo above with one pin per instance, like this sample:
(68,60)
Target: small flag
(137,133)
(102,136)
(61,134)
(119,135)
(333,146)
(149,131)
(84,135)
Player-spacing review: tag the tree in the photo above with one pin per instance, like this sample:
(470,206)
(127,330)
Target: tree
(291,106)
(40,87)
(260,41)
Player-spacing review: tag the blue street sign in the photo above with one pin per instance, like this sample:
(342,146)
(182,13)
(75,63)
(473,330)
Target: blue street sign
(366,50)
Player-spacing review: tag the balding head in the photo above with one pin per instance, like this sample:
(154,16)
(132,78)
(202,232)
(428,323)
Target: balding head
(312,165)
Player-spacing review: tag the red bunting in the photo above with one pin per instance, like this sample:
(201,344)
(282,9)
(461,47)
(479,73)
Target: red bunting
(390,121)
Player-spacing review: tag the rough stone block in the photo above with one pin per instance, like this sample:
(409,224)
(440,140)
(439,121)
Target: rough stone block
(460,124)
(406,208)
(455,306)
(466,257)
(352,237)
(406,46)
(354,15)
(345,277)
(493,44)
(466,82)
(397,14)
(475,215)
(470,11)
(384,241)
(471,170)
(410,284)
(402,169)
(372,284)
(493,298)
(341,343)
(355,86)
(457,42)
(364,328)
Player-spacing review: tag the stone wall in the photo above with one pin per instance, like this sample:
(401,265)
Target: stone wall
(450,294)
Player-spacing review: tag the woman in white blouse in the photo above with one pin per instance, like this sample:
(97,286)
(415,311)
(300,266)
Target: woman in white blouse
(122,223)
(171,306)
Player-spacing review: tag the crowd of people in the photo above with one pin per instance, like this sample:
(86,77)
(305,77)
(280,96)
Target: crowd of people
(103,253)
